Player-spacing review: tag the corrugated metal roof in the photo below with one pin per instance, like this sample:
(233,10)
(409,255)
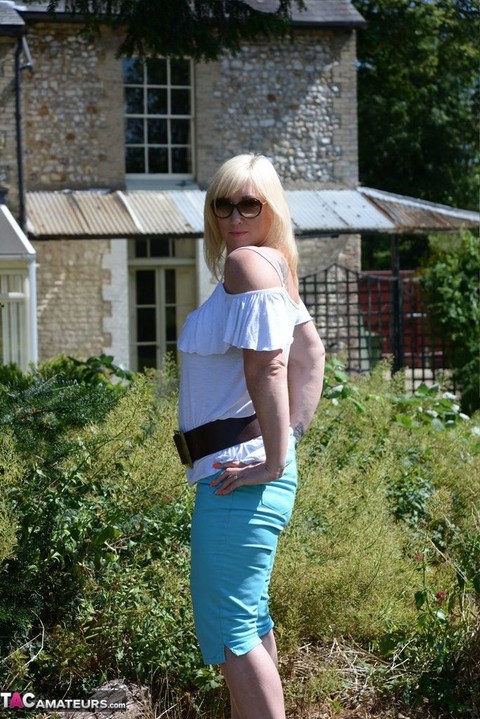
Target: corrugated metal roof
(307,215)
(419,214)
(179,213)
(190,203)
(90,213)
(335,210)
(157,213)
(77,214)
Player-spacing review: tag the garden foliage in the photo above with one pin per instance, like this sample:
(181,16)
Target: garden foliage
(451,280)
(383,549)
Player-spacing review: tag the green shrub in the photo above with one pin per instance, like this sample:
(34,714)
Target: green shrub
(382,549)
(98,584)
(45,505)
(452,283)
(383,477)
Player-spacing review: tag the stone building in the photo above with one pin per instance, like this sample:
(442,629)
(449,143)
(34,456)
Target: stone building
(104,161)
(94,124)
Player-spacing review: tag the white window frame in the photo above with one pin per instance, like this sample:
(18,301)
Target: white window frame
(159,265)
(15,318)
(156,177)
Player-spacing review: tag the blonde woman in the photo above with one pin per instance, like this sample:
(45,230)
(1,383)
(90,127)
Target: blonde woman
(252,373)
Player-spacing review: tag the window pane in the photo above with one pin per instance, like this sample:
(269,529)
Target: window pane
(146,357)
(135,131)
(180,72)
(180,102)
(158,109)
(132,72)
(146,287)
(159,248)
(171,324)
(157,159)
(146,326)
(156,72)
(14,283)
(141,248)
(157,102)
(181,159)
(157,132)
(135,159)
(134,101)
(180,130)
(170,295)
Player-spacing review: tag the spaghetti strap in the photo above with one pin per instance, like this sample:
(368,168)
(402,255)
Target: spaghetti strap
(275,265)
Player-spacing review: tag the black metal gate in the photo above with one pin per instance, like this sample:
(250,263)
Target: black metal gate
(365,317)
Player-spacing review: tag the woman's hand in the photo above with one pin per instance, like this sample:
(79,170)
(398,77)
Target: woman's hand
(237,474)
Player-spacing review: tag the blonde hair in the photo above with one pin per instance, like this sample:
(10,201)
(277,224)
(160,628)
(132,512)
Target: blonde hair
(229,178)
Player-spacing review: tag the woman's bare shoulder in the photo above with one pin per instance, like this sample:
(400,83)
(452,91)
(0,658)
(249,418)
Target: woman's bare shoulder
(250,268)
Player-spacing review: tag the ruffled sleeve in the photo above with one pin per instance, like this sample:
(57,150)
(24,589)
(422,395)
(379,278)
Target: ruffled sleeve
(303,315)
(258,320)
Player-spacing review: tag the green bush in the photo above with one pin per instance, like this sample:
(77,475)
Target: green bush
(97,585)
(452,283)
(383,545)
(382,550)
(40,414)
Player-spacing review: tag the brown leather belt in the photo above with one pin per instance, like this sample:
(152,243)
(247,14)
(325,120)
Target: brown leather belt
(215,436)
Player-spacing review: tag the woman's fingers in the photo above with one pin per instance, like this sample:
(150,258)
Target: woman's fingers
(228,474)
(238,474)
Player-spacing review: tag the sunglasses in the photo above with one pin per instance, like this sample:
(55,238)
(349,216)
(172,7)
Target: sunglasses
(249,208)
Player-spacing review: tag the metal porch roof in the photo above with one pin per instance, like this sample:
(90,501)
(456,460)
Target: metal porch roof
(420,215)
(81,214)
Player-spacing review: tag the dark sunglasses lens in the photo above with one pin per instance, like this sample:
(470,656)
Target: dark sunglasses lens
(250,208)
(222,208)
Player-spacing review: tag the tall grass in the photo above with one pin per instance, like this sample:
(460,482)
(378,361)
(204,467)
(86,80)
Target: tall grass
(382,553)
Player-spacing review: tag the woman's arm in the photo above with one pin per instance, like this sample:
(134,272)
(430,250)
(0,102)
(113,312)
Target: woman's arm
(267,383)
(266,376)
(306,366)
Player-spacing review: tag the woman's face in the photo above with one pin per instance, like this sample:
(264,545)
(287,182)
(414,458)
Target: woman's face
(238,231)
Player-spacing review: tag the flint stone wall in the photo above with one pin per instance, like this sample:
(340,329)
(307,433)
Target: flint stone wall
(296,103)
(8,146)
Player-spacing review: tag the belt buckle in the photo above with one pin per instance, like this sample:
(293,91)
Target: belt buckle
(182,448)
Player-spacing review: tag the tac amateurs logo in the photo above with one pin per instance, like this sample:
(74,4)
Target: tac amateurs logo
(112,701)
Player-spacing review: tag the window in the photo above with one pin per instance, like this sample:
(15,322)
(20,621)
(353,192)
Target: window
(13,319)
(158,117)
(162,294)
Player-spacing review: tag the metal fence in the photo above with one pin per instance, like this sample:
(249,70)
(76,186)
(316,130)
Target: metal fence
(365,317)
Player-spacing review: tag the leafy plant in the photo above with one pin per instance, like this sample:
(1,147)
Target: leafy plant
(451,281)
(382,550)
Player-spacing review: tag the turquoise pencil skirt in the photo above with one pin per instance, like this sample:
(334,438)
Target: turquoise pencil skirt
(234,539)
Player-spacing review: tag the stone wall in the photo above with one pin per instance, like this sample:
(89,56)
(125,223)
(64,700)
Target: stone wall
(71,281)
(295,103)
(8,140)
(73,110)
(315,254)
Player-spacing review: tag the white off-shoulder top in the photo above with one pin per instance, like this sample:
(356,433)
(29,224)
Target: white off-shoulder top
(212,384)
